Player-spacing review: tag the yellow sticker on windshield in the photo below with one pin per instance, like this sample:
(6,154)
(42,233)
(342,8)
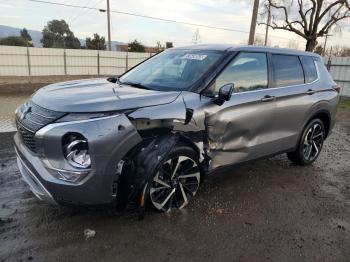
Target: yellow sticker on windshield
(194,57)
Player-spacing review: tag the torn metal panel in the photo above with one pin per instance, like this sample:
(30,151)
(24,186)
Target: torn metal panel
(174,110)
(144,124)
(184,114)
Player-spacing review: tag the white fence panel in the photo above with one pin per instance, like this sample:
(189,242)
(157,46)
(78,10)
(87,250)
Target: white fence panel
(81,62)
(112,63)
(136,58)
(23,61)
(13,61)
(339,67)
(46,61)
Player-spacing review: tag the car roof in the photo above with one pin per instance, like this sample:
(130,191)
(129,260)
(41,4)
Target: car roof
(251,48)
(212,47)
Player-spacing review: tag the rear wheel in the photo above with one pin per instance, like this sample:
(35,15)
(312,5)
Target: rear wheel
(310,144)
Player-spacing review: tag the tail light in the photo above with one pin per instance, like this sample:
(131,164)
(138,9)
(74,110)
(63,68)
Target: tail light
(337,88)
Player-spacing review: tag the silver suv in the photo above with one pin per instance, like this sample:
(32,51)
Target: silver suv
(149,136)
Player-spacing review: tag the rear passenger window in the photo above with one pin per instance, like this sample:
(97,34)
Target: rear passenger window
(287,70)
(248,71)
(309,68)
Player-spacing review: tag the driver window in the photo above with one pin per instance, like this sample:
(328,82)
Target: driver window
(248,71)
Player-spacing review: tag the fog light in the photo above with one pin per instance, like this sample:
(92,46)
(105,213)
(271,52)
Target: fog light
(71,176)
(76,151)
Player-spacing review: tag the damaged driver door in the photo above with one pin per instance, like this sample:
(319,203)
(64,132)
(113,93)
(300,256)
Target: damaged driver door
(241,129)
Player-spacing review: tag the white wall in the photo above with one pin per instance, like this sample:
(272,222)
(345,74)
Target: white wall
(23,61)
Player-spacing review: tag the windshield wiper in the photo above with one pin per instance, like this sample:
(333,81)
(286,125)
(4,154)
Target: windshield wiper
(138,85)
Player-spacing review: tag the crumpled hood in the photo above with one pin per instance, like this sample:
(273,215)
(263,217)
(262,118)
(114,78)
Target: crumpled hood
(97,95)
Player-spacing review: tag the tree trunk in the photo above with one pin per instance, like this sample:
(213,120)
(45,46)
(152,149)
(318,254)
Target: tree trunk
(311,45)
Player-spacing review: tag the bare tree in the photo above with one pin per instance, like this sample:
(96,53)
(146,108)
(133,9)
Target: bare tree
(159,47)
(309,19)
(341,51)
(319,50)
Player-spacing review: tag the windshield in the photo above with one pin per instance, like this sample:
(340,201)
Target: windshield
(172,70)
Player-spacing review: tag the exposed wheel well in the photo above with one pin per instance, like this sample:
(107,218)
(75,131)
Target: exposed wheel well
(189,143)
(325,118)
(156,132)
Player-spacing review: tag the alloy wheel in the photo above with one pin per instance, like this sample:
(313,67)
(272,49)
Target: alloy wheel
(175,184)
(313,142)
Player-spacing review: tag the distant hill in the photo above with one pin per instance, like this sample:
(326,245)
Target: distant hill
(6,31)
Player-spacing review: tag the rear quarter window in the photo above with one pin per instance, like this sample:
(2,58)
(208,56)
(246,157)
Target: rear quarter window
(309,68)
(323,72)
(287,70)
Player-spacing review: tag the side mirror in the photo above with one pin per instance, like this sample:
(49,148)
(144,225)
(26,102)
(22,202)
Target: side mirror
(225,93)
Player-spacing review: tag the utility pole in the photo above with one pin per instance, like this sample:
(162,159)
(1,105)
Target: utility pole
(196,37)
(109,26)
(325,44)
(329,63)
(268,23)
(253,22)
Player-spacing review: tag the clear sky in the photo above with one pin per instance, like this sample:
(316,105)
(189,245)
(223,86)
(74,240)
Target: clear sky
(233,14)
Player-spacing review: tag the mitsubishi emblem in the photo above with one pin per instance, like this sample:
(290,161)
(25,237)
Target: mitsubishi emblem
(25,112)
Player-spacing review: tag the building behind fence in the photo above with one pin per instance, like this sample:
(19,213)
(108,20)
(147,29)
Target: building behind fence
(31,61)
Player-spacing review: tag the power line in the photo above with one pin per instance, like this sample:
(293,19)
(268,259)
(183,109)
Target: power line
(68,5)
(149,17)
(84,12)
(139,15)
(80,12)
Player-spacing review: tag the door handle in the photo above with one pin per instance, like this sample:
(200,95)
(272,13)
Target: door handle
(310,92)
(267,98)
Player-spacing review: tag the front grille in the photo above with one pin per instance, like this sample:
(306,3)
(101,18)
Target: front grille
(27,137)
(30,118)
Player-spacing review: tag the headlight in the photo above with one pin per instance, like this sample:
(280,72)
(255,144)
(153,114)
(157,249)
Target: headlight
(76,150)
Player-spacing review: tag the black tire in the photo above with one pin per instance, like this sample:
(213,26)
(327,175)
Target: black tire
(179,190)
(310,144)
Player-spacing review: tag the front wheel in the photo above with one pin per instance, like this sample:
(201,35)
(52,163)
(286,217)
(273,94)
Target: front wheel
(176,181)
(310,144)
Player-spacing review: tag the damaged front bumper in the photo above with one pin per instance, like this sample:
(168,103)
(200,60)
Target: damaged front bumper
(34,183)
(110,138)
